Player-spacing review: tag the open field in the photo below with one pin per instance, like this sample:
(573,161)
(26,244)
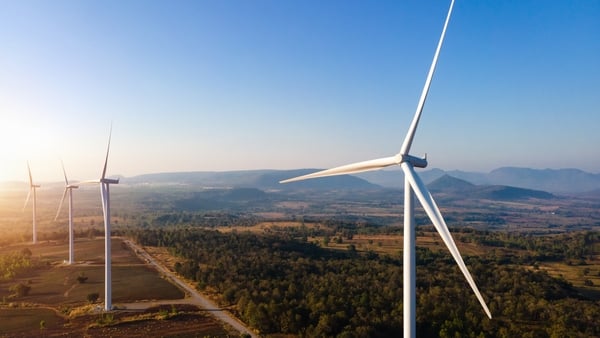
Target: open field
(22,320)
(56,283)
(172,321)
(57,302)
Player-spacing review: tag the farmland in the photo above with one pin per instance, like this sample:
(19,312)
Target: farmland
(57,302)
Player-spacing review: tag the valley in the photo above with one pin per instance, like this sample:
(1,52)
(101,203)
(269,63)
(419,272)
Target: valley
(536,258)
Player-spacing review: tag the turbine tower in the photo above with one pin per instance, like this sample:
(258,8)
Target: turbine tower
(32,187)
(105,195)
(68,189)
(413,186)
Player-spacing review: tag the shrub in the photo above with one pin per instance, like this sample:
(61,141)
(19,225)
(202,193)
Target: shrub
(92,297)
(82,278)
(20,290)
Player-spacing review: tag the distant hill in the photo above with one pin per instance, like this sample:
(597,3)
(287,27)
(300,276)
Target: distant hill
(259,179)
(561,181)
(506,193)
(448,183)
(394,178)
(453,185)
(564,181)
(554,180)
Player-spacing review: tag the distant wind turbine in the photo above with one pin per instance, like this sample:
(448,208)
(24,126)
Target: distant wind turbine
(32,187)
(68,189)
(105,195)
(413,185)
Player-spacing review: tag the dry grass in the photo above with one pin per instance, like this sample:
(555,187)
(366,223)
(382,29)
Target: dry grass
(55,283)
(393,244)
(575,274)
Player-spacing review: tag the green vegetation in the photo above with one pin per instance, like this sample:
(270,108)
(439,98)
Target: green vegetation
(282,284)
(13,263)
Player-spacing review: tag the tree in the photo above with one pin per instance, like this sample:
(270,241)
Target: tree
(20,290)
(93,297)
(82,277)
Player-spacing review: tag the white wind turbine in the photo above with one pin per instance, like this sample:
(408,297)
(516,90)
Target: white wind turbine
(32,187)
(68,189)
(413,185)
(105,194)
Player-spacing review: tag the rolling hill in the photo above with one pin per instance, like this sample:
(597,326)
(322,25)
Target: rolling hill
(560,181)
(466,190)
(259,179)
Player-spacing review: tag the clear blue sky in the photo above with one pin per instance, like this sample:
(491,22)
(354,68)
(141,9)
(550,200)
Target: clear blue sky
(229,85)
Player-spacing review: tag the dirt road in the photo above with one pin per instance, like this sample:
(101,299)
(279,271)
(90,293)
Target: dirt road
(192,296)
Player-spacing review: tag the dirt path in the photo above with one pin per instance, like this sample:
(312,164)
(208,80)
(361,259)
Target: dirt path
(192,295)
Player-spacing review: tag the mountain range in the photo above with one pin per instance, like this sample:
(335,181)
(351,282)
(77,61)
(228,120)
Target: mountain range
(556,181)
(259,179)
(455,186)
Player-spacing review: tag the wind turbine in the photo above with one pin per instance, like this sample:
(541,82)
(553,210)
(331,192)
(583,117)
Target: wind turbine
(413,185)
(68,189)
(105,195)
(32,187)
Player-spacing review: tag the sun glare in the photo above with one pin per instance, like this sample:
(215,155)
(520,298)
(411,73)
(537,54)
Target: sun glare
(20,142)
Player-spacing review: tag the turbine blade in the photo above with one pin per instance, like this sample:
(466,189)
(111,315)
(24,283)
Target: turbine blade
(107,151)
(413,126)
(27,199)
(438,221)
(350,168)
(103,196)
(30,178)
(64,172)
(61,203)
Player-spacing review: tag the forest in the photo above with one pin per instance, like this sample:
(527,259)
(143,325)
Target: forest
(282,283)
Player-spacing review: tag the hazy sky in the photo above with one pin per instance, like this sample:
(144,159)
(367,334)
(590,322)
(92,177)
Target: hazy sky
(229,85)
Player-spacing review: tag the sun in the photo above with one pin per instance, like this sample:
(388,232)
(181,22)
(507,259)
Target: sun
(21,141)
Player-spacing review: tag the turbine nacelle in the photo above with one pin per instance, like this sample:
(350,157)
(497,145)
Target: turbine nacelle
(109,181)
(416,162)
